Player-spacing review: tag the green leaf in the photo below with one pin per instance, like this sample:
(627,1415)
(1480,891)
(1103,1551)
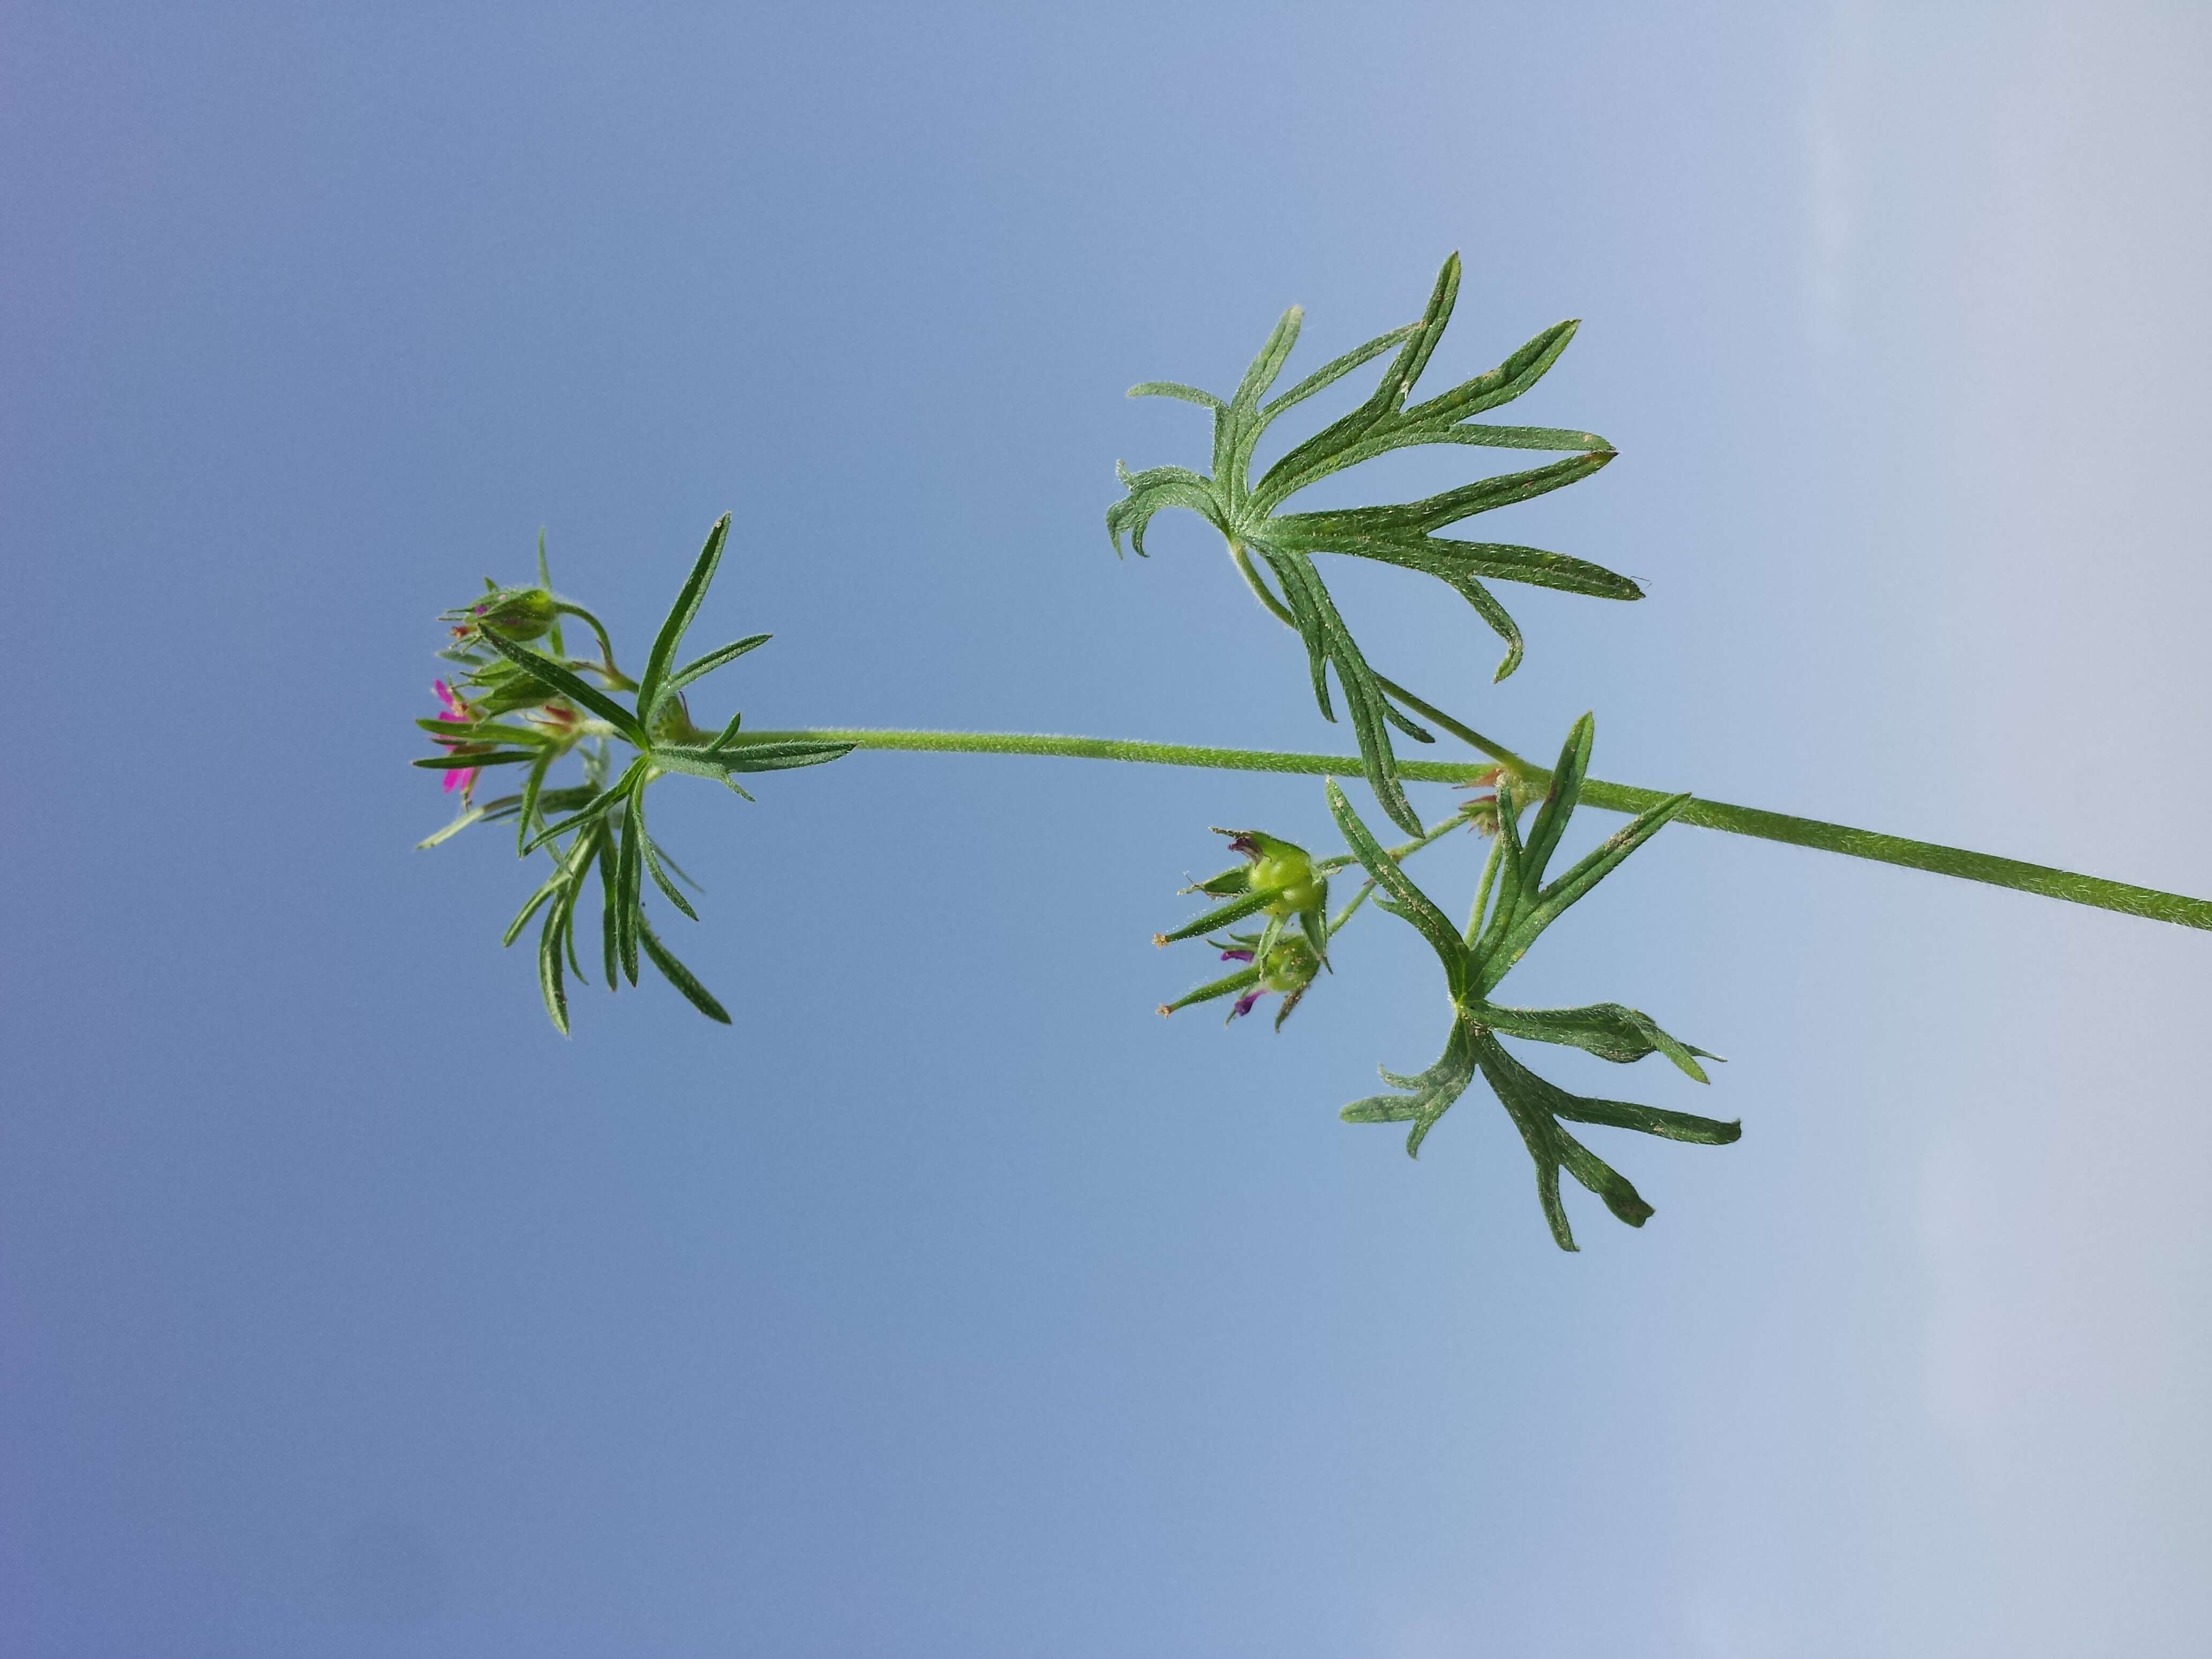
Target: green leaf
(1531,566)
(1499,619)
(549,801)
(485,731)
(616,791)
(549,970)
(1421,345)
(677,975)
(1554,900)
(727,736)
(1190,394)
(555,678)
(1401,534)
(1560,797)
(1430,1094)
(1238,429)
(629,914)
(463,763)
(1685,1126)
(590,847)
(1520,437)
(549,965)
(1605,1028)
(699,668)
(1153,491)
(531,787)
(609,855)
(1536,1106)
(545,581)
(1322,530)
(652,689)
(1512,891)
(783,757)
(1502,385)
(1370,709)
(452,830)
(1419,340)
(713,760)
(551,886)
(567,871)
(1306,619)
(660,879)
(674,868)
(1335,370)
(1415,905)
(1404,433)
(1358,535)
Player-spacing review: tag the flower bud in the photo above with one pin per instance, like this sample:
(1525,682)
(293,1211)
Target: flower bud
(513,613)
(1506,786)
(672,723)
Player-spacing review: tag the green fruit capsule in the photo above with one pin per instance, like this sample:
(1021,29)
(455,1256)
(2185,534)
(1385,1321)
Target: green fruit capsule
(1290,965)
(1279,867)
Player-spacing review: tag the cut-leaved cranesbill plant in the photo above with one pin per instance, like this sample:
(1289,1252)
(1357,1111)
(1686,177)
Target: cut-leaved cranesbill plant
(512,696)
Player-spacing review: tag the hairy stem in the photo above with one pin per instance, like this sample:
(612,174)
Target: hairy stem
(1984,868)
(616,679)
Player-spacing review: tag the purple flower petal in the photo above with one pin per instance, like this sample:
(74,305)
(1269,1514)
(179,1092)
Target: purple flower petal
(1238,954)
(1244,1003)
(454,709)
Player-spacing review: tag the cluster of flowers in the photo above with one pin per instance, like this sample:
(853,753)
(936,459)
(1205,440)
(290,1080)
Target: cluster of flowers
(600,823)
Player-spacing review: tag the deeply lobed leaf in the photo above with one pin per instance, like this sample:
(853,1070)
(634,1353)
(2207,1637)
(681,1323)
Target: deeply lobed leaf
(1245,513)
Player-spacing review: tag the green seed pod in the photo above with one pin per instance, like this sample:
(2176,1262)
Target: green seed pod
(1291,964)
(1279,867)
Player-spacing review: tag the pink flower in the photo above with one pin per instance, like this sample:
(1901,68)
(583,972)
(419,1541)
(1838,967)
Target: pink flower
(452,708)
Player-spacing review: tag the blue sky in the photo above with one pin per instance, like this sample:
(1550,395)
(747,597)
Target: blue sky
(951,1303)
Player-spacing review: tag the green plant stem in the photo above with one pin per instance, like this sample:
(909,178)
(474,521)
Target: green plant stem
(1984,868)
(605,668)
(1466,734)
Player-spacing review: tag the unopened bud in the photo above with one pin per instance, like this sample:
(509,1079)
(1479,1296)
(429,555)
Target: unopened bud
(672,723)
(513,613)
